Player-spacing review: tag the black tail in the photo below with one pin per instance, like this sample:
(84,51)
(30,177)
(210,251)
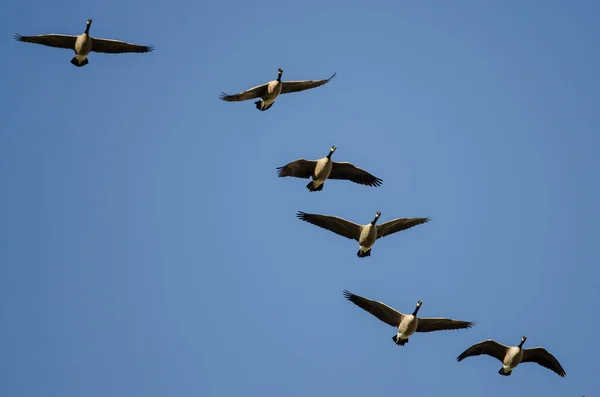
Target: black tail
(398,341)
(361,254)
(259,106)
(503,372)
(75,62)
(312,187)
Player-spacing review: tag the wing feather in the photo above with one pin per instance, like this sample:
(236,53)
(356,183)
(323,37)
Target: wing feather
(489,347)
(398,224)
(441,324)
(379,309)
(109,46)
(352,173)
(50,40)
(301,85)
(251,93)
(334,224)
(542,357)
(300,168)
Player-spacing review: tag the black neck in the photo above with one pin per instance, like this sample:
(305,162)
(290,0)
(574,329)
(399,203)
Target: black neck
(416,310)
(87,28)
(329,155)
(279,77)
(374,220)
(521,344)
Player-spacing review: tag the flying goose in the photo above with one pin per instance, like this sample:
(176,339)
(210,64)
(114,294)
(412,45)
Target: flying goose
(364,234)
(511,356)
(324,168)
(268,92)
(407,324)
(83,44)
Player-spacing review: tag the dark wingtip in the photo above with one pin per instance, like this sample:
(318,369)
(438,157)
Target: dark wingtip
(332,76)
(462,356)
(377,182)
(347,294)
(151,47)
(223,95)
(300,215)
(17,36)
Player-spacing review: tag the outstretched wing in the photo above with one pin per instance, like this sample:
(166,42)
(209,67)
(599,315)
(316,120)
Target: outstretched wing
(542,357)
(441,324)
(301,85)
(108,46)
(489,347)
(353,173)
(51,40)
(300,169)
(251,93)
(398,224)
(334,224)
(379,309)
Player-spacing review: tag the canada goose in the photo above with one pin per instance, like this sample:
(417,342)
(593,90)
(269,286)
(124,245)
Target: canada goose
(84,44)
(511,356)
(364,234)
(407,324)
(268,92)
(324,168)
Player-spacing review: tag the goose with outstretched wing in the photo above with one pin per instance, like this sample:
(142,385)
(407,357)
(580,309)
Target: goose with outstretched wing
(268,92)
(366,235)
(407,324)
(83,44)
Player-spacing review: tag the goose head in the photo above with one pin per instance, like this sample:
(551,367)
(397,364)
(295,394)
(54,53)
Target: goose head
(523,339)
(377,215)
(419,303)
(333,148)
(87,26)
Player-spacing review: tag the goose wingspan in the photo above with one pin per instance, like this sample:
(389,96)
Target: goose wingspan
(542,357)
(251,93)
(300,169)
(489,347)
(51,40)
(441,324)
(398,224)
(352,173)
(379,309)
(108,46)
(301,85)
(334,224)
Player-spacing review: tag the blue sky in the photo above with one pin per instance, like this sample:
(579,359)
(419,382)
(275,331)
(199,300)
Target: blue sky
(147,247)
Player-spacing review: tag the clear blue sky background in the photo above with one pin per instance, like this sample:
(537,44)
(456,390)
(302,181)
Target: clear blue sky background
(147,247)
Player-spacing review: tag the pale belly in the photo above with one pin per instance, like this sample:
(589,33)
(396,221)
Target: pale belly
(367,238)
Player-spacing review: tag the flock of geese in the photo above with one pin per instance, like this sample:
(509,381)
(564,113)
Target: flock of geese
(319,171)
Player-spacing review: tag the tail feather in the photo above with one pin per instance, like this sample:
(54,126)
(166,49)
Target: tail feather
(503,372)
(259,106)
(311,187)
(362,254)
(76,62)
(398,341)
